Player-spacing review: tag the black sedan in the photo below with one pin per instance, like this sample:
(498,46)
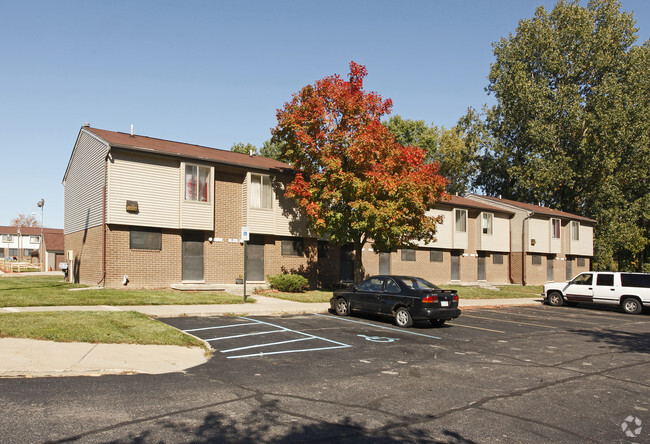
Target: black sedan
(406,298)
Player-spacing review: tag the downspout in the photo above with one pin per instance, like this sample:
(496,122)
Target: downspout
(523,248)
(103,279)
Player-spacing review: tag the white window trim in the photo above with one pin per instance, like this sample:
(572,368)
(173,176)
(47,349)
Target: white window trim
(491,224)
(456,210)
(575,231)
(559,231)
(198,167)
(254,201)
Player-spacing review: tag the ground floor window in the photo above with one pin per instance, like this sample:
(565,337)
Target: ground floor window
(581,262)
(497,258)
(537,259)
(408,255)
(435,256)
(294,246)
(145,238)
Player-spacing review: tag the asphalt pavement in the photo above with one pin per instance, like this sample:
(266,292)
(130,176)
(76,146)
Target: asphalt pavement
(35,358)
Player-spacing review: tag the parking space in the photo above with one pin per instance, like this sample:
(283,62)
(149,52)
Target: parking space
(256,337)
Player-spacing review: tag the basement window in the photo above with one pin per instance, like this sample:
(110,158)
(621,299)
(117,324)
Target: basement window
(145,239)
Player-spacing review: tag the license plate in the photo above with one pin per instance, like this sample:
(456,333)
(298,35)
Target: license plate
(444,303)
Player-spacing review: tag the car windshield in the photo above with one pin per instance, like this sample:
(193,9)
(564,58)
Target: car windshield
(419,284)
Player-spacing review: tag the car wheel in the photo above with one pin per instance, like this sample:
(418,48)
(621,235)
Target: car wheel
(437,322)
(555,299)
(403,317)
(342,307)
(632,306)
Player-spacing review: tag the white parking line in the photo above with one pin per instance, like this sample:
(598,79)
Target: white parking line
(377,326)
(279,329)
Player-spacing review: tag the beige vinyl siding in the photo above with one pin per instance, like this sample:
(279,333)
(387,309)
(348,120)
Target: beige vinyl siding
(283,219)
(499,240)
(444,231)
(83,184)
(583,246)
(196,215)
(151,181)
(538,230)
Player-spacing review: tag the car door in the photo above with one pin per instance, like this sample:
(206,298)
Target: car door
(366,297)
(604,290)
(580,289)
(390,296)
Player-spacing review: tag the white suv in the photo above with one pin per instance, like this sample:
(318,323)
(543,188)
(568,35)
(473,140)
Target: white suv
(629,290)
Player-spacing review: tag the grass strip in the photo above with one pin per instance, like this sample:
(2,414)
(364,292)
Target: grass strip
(501,292)
(94,327)
(30,291)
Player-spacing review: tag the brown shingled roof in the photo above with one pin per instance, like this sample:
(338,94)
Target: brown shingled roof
(541,210)
(144,143)
(458,201)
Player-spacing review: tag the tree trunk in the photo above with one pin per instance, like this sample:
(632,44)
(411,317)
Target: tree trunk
(359,271)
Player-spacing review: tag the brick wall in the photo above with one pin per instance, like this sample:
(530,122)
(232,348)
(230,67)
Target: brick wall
(86,245)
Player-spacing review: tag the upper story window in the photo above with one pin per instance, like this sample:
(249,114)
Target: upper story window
(555,228)
(487,223)
(7,238)
(34,239)
(461,221)
(261,193)
(197,179)
(575,231)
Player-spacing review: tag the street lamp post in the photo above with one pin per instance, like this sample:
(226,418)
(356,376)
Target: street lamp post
(41,204)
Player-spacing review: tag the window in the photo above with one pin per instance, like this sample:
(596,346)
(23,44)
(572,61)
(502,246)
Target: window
(635,280)
(145,239)
(575,231)
(7,238)
(487,223)
(461,221)
(293,246)
(197,179)
(372,284)
(583,279)
(606,280)
(34,239)
(436,256)
(497,258)
(392,286)
(261,196)
(581,262)
(408,255)
(537,259)
(13,252)
(555,228)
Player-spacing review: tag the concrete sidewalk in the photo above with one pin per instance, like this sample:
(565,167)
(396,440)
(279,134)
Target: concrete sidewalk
(33,358)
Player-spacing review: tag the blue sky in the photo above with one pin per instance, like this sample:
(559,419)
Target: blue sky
(213,73)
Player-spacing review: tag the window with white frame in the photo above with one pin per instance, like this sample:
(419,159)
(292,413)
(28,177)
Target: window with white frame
(555,228)
(487,223)
(34,239)
(261,193)
(461,221)
(197,181)
(7,238)
(575,231)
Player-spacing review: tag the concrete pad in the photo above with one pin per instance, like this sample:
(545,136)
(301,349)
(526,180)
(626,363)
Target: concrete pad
(28,357)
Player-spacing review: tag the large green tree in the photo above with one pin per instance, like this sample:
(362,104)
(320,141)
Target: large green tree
(570,127)
(453,149)
(354,181)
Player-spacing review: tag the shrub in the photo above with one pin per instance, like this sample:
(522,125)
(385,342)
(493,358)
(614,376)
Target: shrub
(290,283)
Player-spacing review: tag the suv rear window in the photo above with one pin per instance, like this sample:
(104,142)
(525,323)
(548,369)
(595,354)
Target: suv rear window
(635,280)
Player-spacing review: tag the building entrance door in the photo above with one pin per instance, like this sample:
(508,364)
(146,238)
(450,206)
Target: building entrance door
(455,265)
(384,263)
(193,255)
(481,266)
(255,258)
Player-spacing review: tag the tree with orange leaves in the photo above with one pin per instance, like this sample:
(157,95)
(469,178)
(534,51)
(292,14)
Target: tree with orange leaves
(353,181)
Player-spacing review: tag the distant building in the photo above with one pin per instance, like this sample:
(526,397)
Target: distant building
(26,245)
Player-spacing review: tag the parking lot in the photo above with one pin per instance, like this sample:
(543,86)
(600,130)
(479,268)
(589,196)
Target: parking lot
(517,374)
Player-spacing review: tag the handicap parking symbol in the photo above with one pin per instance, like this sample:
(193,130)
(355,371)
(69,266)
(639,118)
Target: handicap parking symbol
(378,338)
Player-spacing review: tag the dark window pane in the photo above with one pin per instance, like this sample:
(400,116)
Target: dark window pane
(605,279)
(435,256)
(408,255)
(293,247)
(145,239)
(497,258)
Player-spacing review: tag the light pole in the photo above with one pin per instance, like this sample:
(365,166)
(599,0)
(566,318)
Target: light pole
(41,204)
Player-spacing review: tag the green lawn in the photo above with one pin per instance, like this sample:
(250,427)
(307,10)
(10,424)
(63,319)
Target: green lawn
(52,291)
(503,292)
(94,327)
